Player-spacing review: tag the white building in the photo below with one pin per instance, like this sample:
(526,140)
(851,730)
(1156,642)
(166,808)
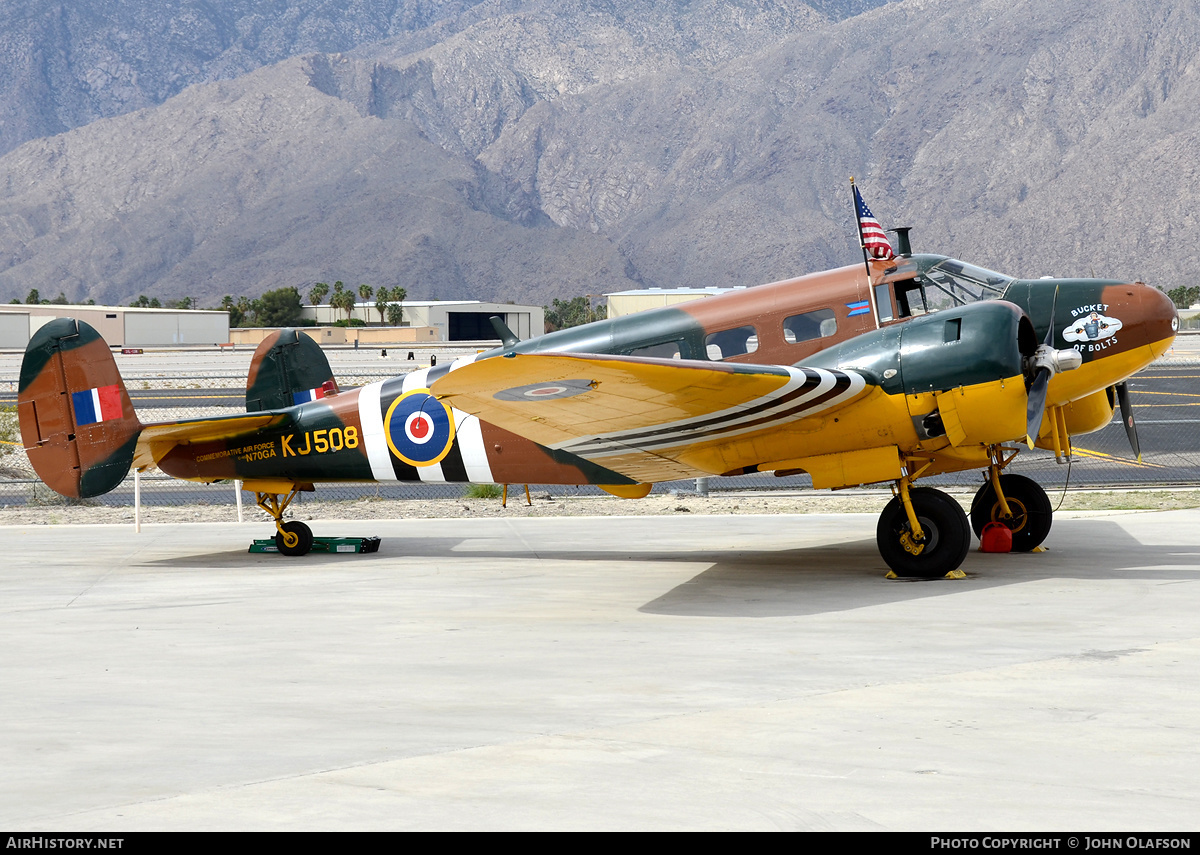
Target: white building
(120,326)
(637,300)
(455,320)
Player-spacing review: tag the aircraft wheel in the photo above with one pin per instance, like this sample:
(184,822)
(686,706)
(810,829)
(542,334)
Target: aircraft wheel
(944,524)
(304,539)
(1032,513)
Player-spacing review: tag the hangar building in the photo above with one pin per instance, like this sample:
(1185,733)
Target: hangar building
(622,303)
(455,320)
(121,326)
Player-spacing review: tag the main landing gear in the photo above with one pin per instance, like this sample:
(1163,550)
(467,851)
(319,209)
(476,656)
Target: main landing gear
(1028,512)
(924,533)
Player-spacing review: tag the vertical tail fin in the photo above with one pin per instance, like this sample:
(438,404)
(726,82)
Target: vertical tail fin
(77,422)
(288,368)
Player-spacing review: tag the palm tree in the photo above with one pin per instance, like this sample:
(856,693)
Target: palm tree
(398,295)
(381,303)
(335,301)
(343,300)
(318,293)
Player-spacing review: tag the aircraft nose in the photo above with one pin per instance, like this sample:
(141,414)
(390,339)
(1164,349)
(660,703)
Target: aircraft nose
(1159,319)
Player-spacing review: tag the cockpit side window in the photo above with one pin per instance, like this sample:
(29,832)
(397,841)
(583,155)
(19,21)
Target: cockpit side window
(910,298)
(949,282)
(883,302)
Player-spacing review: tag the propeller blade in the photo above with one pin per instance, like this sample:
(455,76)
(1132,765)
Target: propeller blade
(1049,342)
(1127,419)
(1036,406)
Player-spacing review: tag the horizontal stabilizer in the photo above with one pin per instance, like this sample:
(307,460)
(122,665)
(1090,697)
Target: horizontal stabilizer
(158,439)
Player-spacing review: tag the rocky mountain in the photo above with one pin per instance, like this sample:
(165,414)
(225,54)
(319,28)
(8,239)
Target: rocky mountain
(63,65)
(530,150)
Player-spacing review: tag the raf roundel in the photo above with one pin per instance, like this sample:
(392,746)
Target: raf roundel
(419,428)
(545,391)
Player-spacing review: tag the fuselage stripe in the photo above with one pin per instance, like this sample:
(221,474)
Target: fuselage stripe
(469,438)
(371,416)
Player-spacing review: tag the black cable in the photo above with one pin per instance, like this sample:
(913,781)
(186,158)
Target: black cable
(1066,483)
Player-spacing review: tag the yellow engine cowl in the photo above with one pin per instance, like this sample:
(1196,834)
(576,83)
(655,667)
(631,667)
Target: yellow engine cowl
(1082,416)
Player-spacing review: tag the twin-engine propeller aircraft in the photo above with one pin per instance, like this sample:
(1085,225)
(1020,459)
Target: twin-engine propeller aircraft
(888,371)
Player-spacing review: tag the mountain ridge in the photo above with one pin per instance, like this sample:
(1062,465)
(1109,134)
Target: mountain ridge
(1010,135)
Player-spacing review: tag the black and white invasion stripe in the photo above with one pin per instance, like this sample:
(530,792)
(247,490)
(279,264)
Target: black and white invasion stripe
(807,392)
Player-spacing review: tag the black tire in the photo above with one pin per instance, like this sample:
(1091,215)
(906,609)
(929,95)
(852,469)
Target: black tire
(944,524)
(1032,512)
(302,532)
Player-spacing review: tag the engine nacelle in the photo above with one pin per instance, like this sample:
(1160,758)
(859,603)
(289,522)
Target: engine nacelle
(971,358)
(963,346)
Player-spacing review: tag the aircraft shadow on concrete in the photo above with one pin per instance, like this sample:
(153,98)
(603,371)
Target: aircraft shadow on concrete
(773,582)
(825,579)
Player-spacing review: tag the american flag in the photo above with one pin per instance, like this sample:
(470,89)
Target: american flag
(874,238)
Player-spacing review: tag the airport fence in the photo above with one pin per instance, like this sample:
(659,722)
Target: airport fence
(1170,444)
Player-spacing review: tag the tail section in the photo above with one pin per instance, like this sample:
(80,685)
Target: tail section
(288,368)
(77,422)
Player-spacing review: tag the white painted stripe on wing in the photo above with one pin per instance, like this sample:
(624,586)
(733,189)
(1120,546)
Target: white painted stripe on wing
(470,445)
(609,445)
(754,409)
(373,435)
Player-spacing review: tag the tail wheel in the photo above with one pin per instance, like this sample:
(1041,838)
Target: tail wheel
(294,538)
(947,535)
(1032,514)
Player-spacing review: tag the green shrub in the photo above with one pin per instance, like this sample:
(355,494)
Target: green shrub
(484,491)
(10,432)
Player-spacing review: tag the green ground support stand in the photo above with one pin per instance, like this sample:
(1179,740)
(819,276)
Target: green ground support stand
(325,544)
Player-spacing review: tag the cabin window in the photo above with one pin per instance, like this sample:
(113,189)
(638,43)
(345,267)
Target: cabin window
(735,342)
(819,324)
(662,350)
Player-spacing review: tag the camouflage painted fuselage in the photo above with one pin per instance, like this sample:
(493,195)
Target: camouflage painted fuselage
(823,322)
(939,381)
(360,435)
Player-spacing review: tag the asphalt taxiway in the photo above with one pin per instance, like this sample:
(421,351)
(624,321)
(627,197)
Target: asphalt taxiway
(690,672)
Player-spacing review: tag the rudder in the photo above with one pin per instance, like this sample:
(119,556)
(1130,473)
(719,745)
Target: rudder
(77,422)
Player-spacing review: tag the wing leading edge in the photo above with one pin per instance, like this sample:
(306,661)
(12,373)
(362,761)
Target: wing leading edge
(651,419)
